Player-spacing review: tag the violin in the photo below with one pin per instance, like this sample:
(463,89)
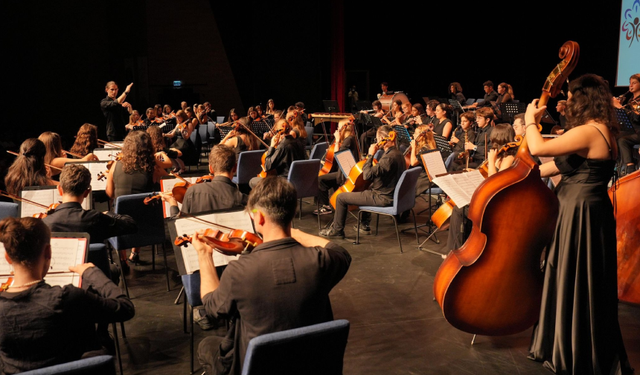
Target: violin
(355,181)
(280,134)
(492,285)
(234,242)
(48,209)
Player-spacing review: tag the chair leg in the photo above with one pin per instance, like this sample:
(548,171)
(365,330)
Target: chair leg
(358,230)
(166,267)
(153,257)
(117,345)
(192,334)
(415,226)
(180,293)
(395,223)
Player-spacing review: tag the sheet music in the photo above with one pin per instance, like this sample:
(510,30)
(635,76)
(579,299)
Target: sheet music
(46,195)
(188,226)
(460,186)
(106,154)
(65,252)
(433,164)
(96,168)
(166,186)
(346,161)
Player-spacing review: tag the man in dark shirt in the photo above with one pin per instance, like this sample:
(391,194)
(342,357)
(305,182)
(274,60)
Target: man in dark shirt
(383,176)
(284,283)
(74,187)
(478,148)
(115,110)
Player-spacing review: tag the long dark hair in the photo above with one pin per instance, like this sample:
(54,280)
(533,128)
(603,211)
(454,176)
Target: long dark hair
(29,168)
(86,140)
(137,153)
(590,100)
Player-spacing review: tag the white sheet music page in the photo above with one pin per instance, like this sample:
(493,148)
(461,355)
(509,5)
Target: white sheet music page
(96,169)
(66,252)
(46,195)
(346,161)
(188,226)
(460,186)
(434,165)
(166,186)
(5,268)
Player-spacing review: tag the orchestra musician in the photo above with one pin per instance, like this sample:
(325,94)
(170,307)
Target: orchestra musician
(366,136)
(422,142)
(431,118)
(283,150)
(45,325)
(216,195)
(518,124)
(344,139)
(281,284)
(444,126)
(209,111)
(271,108)
(28,168)
(182,133)
(561,107)
(463,134)
(460,226)
(55,156)
(166,157)
(455,92)
(383,176)
(578,330)
(627,141)
(86,140)
(484,119)
(135,122)
(298,130)
(490,95)
(239,139)
(384,87)
(114,108)
(133,173)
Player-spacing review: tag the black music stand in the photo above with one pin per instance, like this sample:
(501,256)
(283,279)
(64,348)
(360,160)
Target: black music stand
(331,106)
(510,110)
(260,127)
(443,145)
(402,134)
(364,105)
(626,126)
(457,108)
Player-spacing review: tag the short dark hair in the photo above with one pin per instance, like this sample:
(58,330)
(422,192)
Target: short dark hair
(488,83)
(24,239)
(222,159)
(276,198)
(75,179)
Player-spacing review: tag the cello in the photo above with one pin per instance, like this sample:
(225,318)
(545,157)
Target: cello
(492,285)
(355,181)
(624,196)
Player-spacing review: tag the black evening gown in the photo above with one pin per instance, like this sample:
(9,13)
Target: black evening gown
(578,330)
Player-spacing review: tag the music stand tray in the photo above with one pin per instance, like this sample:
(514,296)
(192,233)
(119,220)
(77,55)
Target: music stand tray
(626,126)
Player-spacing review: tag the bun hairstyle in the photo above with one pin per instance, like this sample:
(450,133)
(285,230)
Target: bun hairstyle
(24,239)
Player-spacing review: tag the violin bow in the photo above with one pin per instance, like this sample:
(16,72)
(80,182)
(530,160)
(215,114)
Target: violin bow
(48,165)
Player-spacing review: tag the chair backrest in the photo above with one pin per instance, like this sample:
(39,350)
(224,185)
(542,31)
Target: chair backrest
(303,174)
(9,209)
(318,150)
(211,127)
(191,285)
(99,257)
(378,154)
(99,365)
(219,119)
(471,101)
(404,197)
(249,163)
(316,349)
(194,135)
(309,130)
(204,132)
(149,218)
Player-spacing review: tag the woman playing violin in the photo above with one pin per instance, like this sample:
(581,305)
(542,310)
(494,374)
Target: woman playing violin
(55,156)
(578,330)
(422,142)
(240,139)
(86,140)
(28,168)
(133,173)
(182,133)
(166,157)
(271,108)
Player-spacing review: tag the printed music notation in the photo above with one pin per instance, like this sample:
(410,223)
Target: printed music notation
(45,195)
(65,252)
(460,186)
(189,225)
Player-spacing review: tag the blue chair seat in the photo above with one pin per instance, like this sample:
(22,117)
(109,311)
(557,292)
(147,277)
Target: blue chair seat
(9,209)
(99,365)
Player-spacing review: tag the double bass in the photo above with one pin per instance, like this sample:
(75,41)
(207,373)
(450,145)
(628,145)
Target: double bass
(492,285)
(624,196)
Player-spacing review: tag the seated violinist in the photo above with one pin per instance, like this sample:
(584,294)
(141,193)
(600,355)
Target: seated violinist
(383,176)
(422,142)
(28,168)
(283,150)
(45,325)
(476,149)
(55,156)
(344,139)
(497,160)
(283,283)
(240,139)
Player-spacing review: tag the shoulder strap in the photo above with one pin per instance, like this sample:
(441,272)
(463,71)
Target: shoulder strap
(603,137)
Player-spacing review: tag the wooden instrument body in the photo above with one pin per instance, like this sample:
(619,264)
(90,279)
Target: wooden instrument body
(355,182)
(501,293)
(626,205)
(387,100)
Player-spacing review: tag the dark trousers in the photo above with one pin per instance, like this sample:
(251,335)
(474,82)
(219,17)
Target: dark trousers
(363,198)
(366,138)
(327,182)
(625,145)
(212,355)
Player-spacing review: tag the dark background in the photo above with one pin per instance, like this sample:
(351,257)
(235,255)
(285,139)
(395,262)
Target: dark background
(57,56)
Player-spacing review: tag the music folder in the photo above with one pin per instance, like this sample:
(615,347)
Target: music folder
(345,160)
(67,249)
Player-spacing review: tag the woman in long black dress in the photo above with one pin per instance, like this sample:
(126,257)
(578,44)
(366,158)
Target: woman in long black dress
(578,330)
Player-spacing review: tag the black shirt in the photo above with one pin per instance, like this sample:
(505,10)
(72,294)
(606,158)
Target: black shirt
(115,114)
(385,174)
(218,194)
(281,157)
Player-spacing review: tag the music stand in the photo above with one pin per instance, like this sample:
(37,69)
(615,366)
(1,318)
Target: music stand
(626,126)
(443,145)
(364,105)
(260,127)
(510,110)
(330,106)
(402,134)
